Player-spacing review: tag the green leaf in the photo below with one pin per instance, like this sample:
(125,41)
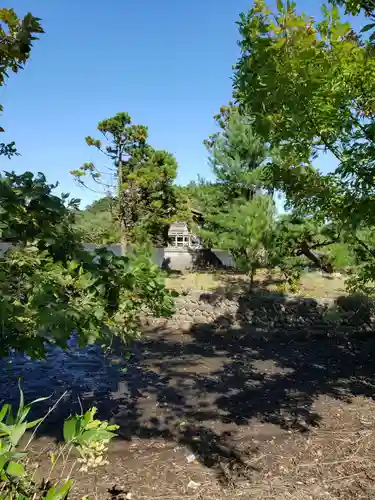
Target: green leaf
(15,469)
(38,400)
(17,432)
(21,418)
(22,401)
(89,415)
(3,460)
(99,313)
(73,265)
(368,27)
(95,435)
(3,411)
(59,494)
(34,423)
(5,429)
(70,429)
(280,5)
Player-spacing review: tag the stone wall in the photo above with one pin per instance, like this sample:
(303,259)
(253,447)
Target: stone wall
(266,312)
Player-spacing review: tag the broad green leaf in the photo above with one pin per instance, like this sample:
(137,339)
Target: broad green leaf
(368,27)
(113,427)
(73,265)
(15,469)
(95,435)
(70,429)
(17,432)
(99,313)
(3,460)
(59,494)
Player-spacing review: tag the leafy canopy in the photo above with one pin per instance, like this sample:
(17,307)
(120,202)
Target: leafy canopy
(241,214)
(146,198)
(98,223)
(309,87)
(50,286)
(16,38)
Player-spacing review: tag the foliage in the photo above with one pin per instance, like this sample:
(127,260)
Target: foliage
(295,242)
(50,286)
(201,195)
(157,203)
(87,435)
(241,214)
(354,7)
(31,213)
(90,438)
(243,228)
(97,223)
(16,38)
(309,87)
(144,179)
(341,255)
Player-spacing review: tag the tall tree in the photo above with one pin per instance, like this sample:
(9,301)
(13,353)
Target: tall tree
(310,88)
(241,216)
(143,179)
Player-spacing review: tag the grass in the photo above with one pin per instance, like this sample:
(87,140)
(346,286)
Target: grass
(313,284)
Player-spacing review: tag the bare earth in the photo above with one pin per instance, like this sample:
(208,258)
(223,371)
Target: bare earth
(249,413)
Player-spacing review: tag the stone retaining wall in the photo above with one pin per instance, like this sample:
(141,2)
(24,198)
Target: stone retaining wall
(268,310)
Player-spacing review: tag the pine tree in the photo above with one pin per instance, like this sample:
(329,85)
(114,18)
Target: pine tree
(143,180)
(243,212)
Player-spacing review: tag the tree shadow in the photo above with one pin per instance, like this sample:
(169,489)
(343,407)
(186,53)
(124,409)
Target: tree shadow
(209,388)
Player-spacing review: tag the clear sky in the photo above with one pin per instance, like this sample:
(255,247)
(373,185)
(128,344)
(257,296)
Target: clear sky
(166,62)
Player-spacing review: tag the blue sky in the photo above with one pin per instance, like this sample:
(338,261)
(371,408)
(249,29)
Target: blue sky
(168,63)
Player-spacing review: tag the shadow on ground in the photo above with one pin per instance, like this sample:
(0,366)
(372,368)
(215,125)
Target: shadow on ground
(217,391)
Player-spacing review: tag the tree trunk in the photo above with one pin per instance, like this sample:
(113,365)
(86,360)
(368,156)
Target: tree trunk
(319,260)
(124,243)
(252,273)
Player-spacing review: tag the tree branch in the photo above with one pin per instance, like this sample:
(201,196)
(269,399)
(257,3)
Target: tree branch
(325,243)
(365,246)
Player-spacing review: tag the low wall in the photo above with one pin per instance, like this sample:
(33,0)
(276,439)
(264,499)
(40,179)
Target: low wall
(182,259)
(175,259)
(266,312)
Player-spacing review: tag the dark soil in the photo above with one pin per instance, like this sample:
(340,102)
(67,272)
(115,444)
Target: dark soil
(247,412)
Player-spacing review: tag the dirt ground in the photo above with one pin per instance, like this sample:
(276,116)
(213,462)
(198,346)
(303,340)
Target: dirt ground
(242,413)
